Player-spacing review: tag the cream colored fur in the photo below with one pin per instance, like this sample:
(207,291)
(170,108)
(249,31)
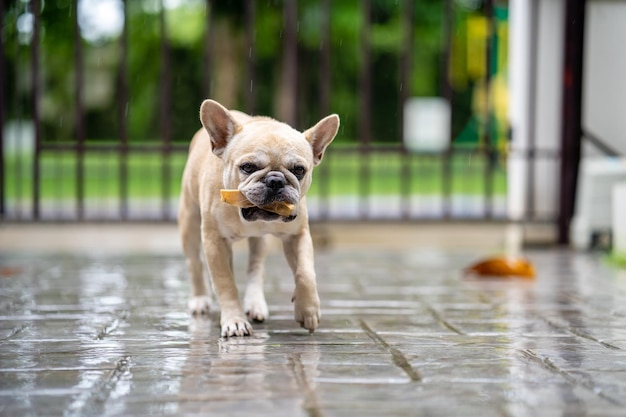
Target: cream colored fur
(230,144)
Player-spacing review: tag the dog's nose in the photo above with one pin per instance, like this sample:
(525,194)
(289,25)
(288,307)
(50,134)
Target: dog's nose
(275,180)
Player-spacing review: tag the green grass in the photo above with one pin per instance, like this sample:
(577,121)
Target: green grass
(617,259)
(341,173)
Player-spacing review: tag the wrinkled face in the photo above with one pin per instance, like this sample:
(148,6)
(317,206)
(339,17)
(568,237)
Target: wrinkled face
(268,162)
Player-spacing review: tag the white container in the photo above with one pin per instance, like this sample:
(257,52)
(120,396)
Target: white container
(619,218)
(594,208)
(427,124)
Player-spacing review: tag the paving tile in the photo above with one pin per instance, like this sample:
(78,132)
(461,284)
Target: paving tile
(403,333)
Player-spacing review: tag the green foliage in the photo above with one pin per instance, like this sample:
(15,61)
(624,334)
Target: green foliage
(185,31)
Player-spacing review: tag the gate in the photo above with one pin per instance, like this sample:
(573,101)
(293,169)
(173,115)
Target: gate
(110,143)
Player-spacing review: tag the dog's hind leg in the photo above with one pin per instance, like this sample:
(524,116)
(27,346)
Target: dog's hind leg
(254,303)
(189,228)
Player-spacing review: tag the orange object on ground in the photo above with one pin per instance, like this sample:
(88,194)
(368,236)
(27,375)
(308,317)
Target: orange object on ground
(503,266)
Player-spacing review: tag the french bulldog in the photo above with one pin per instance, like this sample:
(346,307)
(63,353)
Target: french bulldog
(267,161)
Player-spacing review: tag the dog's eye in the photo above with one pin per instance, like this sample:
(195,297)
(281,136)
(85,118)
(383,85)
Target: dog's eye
(248,168)
(298,171)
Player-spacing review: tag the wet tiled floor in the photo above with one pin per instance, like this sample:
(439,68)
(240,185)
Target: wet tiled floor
(402,334)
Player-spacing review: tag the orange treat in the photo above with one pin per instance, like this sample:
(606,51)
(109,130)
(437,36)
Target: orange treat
(503,266)
(236,198)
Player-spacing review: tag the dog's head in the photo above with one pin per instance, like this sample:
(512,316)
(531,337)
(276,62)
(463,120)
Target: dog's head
(268,161)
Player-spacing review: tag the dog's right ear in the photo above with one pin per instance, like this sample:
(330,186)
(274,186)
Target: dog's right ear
(221,126)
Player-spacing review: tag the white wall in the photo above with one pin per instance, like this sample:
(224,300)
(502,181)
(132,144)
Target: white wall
(604,82)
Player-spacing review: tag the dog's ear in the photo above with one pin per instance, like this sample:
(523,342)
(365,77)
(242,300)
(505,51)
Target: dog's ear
(219,123)
(320,136)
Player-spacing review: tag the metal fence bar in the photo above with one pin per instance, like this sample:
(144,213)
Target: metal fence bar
(122,114)
(79,115)
(35,94)
(288,95)
(250,72)
(365,75)
(325,82)
(406,10)
(571,130)
(3,100)
(207,70)
(531,110)
(600,144)
(165,114)
(115,147)
(490,155)
(324,79)
(446,163)
(365,105)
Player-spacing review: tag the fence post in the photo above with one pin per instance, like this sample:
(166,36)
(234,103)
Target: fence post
(166,115)
(365,106)
(3,99)
(249,79)
(122,114)
(571,105)
(35,93)
(80,125)
(208,49)
(324,64)
(287,109)
(406,64)
(365,76)
(487,139)
(446,169)
(323,175)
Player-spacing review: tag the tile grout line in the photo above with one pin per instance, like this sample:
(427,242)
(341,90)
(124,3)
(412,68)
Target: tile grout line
(84,403)
(311,403)
(555,369)
(578,333)
(442,321)
(397,357)
(14,332)
(112,326)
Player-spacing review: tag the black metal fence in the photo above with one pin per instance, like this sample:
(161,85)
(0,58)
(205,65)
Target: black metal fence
(122,179)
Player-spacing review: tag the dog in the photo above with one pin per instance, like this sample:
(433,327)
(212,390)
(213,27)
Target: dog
(267,161)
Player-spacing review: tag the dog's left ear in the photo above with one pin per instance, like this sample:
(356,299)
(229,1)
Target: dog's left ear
(320,136)
(218,121)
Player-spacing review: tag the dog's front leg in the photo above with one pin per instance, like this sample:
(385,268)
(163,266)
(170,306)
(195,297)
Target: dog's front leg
(189,226)
(299,253)
(219,257)
(254,303)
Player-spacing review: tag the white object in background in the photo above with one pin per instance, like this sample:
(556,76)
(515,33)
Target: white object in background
(593,213)
(619,218)
(427,124)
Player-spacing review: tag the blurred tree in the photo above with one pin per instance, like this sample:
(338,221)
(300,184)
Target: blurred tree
(186,25)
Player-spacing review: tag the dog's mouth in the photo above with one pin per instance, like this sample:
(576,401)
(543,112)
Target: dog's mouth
(252,214)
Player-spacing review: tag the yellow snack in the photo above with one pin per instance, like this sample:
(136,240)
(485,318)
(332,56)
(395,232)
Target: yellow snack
(237,199)
(280,207)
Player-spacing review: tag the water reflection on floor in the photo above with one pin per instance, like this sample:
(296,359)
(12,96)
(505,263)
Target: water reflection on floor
(403,333)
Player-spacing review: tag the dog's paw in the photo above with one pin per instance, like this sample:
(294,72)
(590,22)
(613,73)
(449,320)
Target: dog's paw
(255,306)
(199,304)
(257,312)
(307,310)
(235,326)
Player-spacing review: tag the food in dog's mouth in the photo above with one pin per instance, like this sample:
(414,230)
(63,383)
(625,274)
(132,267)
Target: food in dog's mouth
(237,199)
(255,213)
